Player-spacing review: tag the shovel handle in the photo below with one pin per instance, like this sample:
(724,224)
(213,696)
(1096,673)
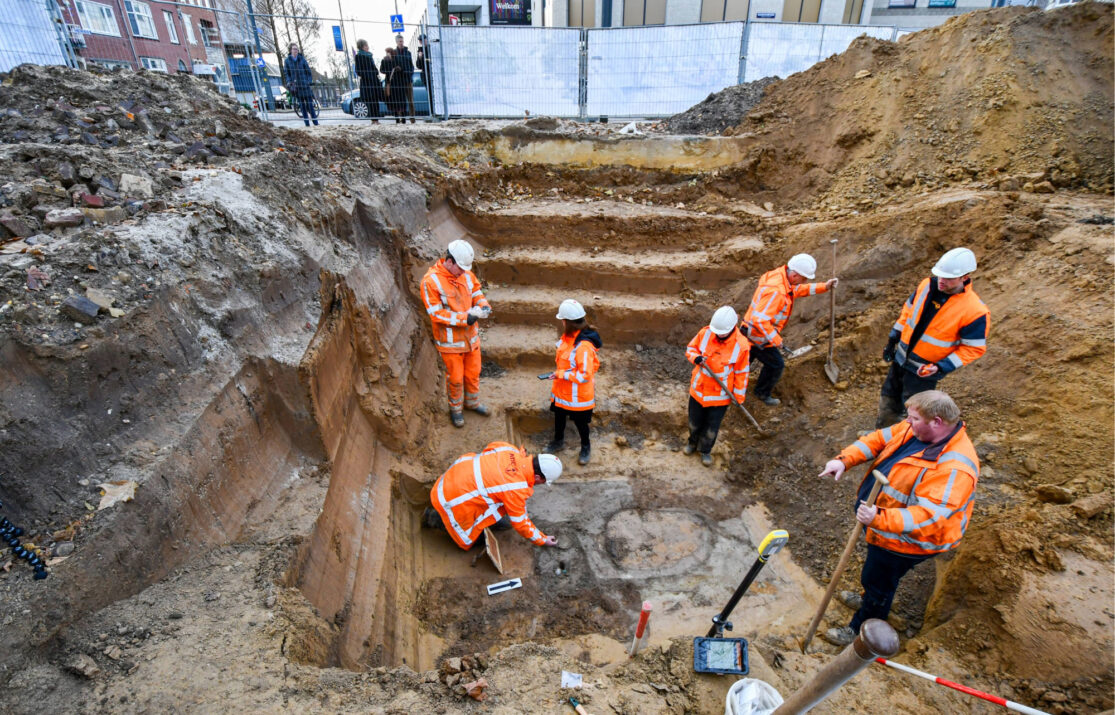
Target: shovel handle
(832,304)
(880,480)
(736,402)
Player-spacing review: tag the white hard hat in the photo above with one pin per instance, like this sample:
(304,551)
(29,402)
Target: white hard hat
(551,467)
(462,253)
(570,310)
(724,320)
(955,263)
(804,264)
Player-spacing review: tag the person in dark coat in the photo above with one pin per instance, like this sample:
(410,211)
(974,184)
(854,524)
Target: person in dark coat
(370,88)
(423,60)
(300,82)
(406,64)
(394,79)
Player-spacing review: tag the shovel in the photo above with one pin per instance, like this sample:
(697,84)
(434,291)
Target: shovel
(831,370)
(880,481)
(734,400)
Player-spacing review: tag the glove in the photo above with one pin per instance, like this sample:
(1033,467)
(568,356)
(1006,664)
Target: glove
(471,318)
(698,360)
(485,312)
(888,351)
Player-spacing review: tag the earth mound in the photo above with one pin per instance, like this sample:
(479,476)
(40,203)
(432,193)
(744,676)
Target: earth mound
(720,110)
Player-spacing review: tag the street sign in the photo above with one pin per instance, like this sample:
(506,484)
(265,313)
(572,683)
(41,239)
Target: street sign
(260,63)
(765,15)
(396,23)
(337,42)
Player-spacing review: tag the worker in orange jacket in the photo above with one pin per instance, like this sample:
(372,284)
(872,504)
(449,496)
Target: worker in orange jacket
(490,489)
(933,470)
(721,349)
(768,313)
(943,326)
(455,303)
(573,395)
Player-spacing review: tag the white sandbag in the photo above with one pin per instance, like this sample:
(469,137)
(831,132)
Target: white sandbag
(751,697)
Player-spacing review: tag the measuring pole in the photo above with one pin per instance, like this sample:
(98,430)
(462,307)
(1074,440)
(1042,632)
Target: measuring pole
(770,546)
(1008,704)
(640,629)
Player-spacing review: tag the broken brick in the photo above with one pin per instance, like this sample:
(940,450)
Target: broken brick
(64,217)
(93,201)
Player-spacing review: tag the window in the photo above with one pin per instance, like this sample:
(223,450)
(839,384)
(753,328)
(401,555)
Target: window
(171,30)
(189,25)
(182,66)
(903,3)
(139,17)
(582,13)
(644,12)
(942,3)
(155,64)
(209,36)
(112,64)
(723,10)
(97,18)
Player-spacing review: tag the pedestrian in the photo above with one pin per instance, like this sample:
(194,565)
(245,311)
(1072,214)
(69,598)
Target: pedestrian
(573,394)
(422,59)
(390,69)
(933,470)
(300,83)
(721,349)
(455,303)
(943,325)
(770,310)
(490,489)
(405,63)
(370,87)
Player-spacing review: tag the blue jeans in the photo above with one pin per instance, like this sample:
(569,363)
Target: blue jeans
(305,108)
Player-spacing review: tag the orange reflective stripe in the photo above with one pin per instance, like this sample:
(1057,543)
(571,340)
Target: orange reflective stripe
(574,384)
(447,301)
(941,341)
(729,360)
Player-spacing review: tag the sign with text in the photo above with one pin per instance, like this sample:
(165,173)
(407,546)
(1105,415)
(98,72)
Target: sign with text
(396,23)
(509,12)
(337,41)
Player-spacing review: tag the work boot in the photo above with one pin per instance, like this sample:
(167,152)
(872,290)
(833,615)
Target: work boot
(479,408)
(840,636)
(585,455)
(706,459)
(768,400)
(689,449)
(430,518)
(458,419)
(554,447)
(851,599)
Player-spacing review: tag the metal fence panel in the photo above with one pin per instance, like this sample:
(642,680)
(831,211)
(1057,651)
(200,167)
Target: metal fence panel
(28,34)
(779,49)
(506,71)
(659,71)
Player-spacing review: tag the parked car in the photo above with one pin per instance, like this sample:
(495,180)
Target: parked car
(351,104)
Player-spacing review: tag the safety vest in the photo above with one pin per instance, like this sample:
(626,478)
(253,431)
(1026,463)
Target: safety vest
(945,342)
(448,299)
(729,360)
(573,385)
(478,489)
(926,507)
(772,305)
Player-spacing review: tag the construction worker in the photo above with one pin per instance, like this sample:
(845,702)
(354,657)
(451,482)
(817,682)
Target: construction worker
(573,394)
(490,489)
(720,349)
(933,469)
(767,315)
(943,325)
(455,303)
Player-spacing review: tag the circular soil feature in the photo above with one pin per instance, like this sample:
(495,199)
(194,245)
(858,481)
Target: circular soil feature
(639,541)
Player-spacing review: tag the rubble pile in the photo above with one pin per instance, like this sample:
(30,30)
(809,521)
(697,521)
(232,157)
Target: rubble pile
(462,675)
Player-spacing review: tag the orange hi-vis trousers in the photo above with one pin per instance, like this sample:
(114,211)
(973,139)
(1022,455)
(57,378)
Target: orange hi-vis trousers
(462,379)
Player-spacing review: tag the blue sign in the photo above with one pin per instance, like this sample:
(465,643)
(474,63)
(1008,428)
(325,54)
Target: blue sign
(340,45)
(765,15)
(260,63)
(396,23)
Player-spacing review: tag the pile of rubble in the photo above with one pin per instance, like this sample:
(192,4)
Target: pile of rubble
(462,675)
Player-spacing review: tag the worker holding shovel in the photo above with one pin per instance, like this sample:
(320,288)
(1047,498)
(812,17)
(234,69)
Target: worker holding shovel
(720,356)
(931,469)
(770,310)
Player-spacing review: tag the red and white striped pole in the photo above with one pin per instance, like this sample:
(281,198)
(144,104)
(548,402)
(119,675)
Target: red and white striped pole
(640,629)
(1008,704)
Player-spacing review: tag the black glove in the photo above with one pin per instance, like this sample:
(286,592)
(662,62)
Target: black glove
(471,319)
(888,351)
(698,360)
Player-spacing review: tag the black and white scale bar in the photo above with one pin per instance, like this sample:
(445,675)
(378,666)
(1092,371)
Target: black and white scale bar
(504,586)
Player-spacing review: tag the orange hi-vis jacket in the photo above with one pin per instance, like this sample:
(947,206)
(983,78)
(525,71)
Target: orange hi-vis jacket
(730,360)
(926,507)
(955,336)
(478,489)
(448,300)
(574,384)
(772,304)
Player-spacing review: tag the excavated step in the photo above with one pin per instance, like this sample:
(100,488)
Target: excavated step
(637,271)
(519,345)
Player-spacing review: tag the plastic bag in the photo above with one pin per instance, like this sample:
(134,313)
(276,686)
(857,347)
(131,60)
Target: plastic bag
(751,697)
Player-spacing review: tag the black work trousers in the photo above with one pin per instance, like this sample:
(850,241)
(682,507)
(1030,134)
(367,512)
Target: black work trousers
(704,425)
(581,419)
(899,386)
(880,576)
(773,365)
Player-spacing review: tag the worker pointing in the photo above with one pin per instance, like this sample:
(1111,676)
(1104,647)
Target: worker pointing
(770,308)
(491,488)
(718,348)
(943,325)
(455,303)
(573,395)
(923,511)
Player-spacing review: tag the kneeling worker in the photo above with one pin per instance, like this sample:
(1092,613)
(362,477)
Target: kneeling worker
(720,348)
(933,469)
(491,488)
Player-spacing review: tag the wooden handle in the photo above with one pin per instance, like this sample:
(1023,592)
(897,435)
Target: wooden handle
(832,304)
(880,480)
(732,397)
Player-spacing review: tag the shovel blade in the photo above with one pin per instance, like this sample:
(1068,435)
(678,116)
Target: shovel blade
(832,372)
